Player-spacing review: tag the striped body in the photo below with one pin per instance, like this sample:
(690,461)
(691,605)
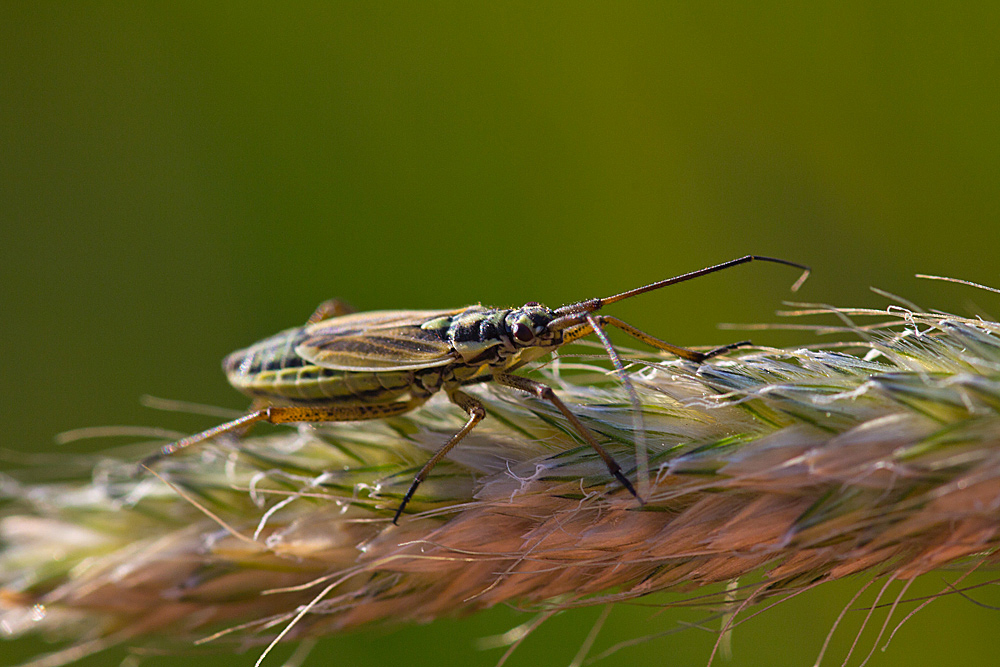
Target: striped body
(349,367)
(388,356)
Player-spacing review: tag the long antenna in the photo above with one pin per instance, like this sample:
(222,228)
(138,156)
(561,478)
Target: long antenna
(703,272)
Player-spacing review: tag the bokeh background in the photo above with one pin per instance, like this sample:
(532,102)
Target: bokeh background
(180,179)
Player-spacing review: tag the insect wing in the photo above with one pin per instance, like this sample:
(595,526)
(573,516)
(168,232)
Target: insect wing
(378,341)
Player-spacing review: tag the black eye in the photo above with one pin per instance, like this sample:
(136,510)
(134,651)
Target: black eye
(523,333)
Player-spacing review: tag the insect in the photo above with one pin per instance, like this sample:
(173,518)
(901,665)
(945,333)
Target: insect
(344,366)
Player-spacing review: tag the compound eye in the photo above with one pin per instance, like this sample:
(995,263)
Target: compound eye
(523,333)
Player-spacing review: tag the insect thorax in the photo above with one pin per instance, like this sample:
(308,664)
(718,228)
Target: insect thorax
(481,335)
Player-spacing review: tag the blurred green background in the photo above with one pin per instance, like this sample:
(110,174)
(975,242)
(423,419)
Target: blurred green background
(181,179)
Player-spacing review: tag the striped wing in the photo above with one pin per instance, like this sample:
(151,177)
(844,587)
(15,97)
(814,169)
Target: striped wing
(389,340)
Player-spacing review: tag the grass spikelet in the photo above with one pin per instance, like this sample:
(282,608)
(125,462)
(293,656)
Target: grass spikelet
(784,468)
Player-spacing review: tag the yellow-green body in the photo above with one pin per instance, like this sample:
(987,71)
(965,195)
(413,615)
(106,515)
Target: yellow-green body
(388,356)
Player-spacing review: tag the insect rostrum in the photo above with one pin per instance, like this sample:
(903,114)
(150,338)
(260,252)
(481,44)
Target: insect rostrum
(344,366)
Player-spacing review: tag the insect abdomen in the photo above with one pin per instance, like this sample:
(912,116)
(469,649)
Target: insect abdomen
(271,370)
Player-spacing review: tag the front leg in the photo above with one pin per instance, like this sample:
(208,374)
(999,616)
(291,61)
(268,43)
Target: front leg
(546,392)
(653,341)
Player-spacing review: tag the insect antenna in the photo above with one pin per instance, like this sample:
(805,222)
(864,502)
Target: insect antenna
(590,305)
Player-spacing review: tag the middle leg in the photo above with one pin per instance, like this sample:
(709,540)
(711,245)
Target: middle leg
(476,413)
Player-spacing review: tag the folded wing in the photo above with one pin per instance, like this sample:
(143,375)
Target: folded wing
(378,341)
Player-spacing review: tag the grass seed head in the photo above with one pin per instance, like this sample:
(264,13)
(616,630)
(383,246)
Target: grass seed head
(786,468)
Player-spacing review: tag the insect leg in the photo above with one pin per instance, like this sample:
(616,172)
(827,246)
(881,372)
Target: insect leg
(283,415)
(652,341)
(722,349)
(546,392)
(476,413)
(330,308)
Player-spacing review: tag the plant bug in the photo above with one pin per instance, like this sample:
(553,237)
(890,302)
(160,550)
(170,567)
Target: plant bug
(344,366)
